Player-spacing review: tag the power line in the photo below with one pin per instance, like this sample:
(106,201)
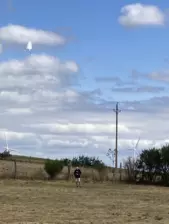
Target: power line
(117,111)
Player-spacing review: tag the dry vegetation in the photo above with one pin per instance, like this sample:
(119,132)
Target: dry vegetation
(61,203)
(34,170)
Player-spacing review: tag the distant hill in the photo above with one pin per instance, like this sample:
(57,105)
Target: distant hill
(29,159)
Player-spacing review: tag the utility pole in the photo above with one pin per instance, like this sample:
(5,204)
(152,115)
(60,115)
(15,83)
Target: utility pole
(117,111)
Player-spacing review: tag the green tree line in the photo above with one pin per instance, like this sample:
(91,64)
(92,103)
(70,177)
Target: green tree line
(84,161)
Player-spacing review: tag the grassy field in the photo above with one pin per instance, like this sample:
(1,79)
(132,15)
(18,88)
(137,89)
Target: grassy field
(61,203)
(35,170)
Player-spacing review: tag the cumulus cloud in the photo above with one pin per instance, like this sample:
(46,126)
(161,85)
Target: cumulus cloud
(17,34)
(140,15)
(45,113)
(36,70)
(65,133)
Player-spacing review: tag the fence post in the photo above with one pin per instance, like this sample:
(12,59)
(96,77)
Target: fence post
(120,171)
(69,170)
(93,176)
(15,169)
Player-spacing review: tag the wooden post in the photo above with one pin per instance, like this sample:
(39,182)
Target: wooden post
(120,171)
(15,169)
(93,176)
(69,170)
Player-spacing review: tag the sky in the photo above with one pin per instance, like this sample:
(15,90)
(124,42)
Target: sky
(57,100)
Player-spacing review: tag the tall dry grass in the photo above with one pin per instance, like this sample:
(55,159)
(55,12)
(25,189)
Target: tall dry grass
(27,170)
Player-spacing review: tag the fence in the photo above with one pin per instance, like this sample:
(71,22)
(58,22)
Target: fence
(26,170)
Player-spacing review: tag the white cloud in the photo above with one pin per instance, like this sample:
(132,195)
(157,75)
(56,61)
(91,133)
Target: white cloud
(12,135)
(67,95)
(14,96)
(160,76)
(84,128)
(68,143)
(46,115)
(1,48)
(22,35)
(36,71)
(139,15)
(139,89)
(19,111)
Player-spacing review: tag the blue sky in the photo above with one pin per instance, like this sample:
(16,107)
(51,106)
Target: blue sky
(114,49)
(101,46)
(97,34)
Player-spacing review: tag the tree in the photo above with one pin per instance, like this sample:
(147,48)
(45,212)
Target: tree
(110,155)
(86,161)
(165,164)
(53,167)
(66,161)
(149,164)
(129,165)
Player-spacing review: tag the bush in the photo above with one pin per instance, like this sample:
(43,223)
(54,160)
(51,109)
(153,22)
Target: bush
(129,166)
(53,167)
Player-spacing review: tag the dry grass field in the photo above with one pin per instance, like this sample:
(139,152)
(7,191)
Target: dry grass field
(61,203)
(35,170)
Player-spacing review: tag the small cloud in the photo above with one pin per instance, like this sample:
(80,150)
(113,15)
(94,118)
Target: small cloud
(108,79)
(141,89)
(150,89)
(141,15)
(113,79)
(159,76)
(14,96)
(19,111)
(1,48)
(156,75)
(131,108)
(124,89)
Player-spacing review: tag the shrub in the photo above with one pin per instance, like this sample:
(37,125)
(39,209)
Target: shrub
(53,167)
(129,166)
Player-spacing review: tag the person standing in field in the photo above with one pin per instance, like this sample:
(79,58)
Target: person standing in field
(77,174)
